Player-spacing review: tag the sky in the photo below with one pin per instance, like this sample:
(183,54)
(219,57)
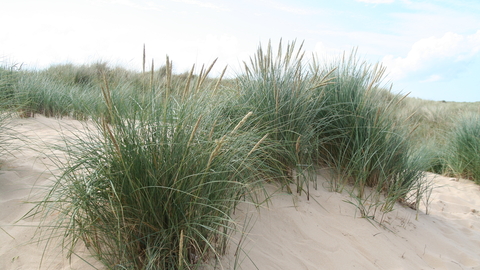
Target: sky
(431,49)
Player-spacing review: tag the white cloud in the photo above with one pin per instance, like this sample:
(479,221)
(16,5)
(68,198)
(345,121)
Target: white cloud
(203,4)
(293,9)
(448,55)
(138,5)
(213,46)
(200,51)
(433,78)
(326,53)
(152,5)
(377,1)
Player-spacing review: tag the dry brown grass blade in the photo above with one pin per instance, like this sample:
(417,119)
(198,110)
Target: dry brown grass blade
(297,145)
(106,94)
(248,73)
(324,81)
(143,59)
(257,144)
(219,80)
(108,131)
(168,66)
(204,76)
(379,72)
(402,98)
(210,135)
(187,85)
(410,116)
(180,251)
(199,81)
(151,74)
(244,119)
(215,152)
(194,131)
(300,50)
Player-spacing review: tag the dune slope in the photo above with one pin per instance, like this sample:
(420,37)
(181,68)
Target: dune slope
(289,232)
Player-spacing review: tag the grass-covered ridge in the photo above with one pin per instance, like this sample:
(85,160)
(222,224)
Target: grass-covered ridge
(152,185)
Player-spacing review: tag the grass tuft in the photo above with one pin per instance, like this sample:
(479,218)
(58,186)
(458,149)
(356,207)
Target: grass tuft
(462,153)
(152,184)
(367,147)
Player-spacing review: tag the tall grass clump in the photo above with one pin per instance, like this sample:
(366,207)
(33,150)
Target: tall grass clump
(9,76)
(368,147)
(152,186)
(462,149)
(286,100)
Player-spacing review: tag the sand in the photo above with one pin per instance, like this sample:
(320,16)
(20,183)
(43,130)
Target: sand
(290,232)
(24,174)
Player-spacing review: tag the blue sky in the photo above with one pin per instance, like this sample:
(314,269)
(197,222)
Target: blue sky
(430,48)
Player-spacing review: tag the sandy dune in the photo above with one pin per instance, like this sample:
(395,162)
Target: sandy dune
(326,235)
(289,233)
(23,177)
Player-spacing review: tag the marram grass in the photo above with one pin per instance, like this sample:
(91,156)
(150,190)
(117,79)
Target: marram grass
(363,142)
(153,185)
(286,100)
(462,150)
(154,191)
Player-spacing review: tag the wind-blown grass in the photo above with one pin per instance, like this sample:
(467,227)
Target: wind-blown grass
(153,187)
(462,152)
(369,147)
(286,100)
(336,115)
(8,79)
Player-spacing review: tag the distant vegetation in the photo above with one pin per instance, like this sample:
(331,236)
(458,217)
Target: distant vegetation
(448,134)
(154,183)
